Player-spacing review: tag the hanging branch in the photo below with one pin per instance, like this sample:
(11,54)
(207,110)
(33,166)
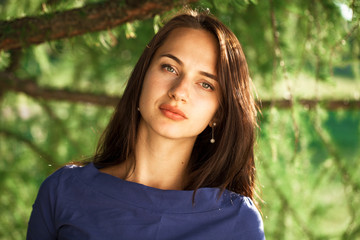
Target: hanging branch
(304,52)
(345,173)
(286,204)
(93,17)
(279,57)
(43,155)
(341,42)
(312,103)
(59,124)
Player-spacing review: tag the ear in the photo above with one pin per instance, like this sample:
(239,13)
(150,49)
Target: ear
(212,123)
(216,119)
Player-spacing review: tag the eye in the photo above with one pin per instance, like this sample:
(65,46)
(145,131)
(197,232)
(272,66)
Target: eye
(169,68)
(207,86)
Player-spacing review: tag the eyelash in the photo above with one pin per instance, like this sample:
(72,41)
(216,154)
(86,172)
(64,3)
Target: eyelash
(209,86)
(167,66)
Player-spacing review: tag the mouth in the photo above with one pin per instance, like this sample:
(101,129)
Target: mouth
(172,112)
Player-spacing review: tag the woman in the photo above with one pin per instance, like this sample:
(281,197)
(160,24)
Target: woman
(176,160)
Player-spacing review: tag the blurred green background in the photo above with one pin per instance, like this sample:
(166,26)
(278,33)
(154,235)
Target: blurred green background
(307,154)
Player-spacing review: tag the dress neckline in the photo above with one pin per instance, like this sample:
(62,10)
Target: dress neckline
(139,195)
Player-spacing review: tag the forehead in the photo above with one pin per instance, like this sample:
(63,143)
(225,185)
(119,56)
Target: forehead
(191,45)
(195,33)
(196,42)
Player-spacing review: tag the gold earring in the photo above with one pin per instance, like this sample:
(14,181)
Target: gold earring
(212,140)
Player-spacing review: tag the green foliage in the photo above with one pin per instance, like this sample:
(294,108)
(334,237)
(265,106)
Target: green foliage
(4,60)
(313,192)
(307,158)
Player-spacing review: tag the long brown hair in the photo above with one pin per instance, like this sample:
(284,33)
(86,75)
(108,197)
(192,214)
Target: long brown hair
(229,162)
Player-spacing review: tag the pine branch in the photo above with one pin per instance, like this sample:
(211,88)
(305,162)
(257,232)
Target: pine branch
(286,205)
(343,170)
(341,42)
(279,57)
(27,31)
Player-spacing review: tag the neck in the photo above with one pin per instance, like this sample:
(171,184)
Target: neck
(161,162)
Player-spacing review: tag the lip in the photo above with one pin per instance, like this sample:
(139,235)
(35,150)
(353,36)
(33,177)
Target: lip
(172,112)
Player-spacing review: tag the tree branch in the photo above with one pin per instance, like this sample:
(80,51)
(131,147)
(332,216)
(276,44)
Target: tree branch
(15,57)
(9,82)
(48,159)
(90,18)
(312,103)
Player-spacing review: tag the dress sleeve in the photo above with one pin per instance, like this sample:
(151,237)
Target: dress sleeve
(251,222)
(42,220)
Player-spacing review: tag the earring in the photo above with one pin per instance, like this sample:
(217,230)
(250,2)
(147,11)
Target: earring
(212,140)
(138,109)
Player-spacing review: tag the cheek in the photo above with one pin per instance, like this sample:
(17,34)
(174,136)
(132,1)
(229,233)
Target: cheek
(206,110)
(141,100)
(153,89)
(146,90)
(145,98)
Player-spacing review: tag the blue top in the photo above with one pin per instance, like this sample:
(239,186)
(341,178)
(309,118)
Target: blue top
(84,203)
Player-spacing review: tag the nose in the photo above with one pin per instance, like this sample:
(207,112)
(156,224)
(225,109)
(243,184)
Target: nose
(179,90)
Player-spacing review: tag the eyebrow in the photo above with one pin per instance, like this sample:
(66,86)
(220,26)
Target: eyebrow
(206,74)
(173,58)
(209,75)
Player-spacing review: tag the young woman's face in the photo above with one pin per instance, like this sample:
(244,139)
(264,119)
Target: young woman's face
(180,93)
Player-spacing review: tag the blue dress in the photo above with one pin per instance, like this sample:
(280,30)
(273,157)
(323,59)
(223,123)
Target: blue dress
(83,203)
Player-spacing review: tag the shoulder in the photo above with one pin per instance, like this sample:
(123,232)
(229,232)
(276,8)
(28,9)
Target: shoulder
(57,186)
(249,212)
(57,178)
(248,221)
(42,223)
(62,174)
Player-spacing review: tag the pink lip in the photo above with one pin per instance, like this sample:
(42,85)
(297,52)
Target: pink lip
(172,112)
